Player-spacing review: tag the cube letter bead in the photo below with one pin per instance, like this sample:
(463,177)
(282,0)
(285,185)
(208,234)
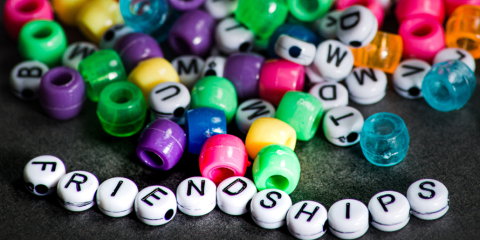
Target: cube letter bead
(67,10)
(264,18)
(196,196)
(269,208)
(357,26)
(115,196)
(135,48)
(408,78)
(76,190)
(214,66)
(461,29)
(455,54)
(308,10)
(348,219)
(25,79)
(428,199)
(42,174)
(243,70)
(95,17)
(234,193)
(331,94)
(16,13)
(327,26)
(390,211)
(155,205)
(295,50)
(251,110)
(366,85)
(220,9)
(169,100)
(342,126)
(111,36)
(333,61)
(202,123)
(189,69)
(76,52)
(307,220)
(231,36)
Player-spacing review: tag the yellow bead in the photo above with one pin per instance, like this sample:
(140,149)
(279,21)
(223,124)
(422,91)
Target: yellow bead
(67,10)
(462,31)
(95,17)
(265,131)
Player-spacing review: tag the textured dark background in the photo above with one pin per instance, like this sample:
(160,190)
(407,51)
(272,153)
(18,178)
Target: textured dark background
(443,146)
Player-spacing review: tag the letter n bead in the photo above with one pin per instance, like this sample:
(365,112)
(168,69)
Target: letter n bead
(196,196)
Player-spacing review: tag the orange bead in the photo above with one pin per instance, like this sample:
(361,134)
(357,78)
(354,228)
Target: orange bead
(462,29)
(67,10)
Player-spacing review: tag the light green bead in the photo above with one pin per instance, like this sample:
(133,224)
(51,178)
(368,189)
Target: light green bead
(309,10)
(262,16)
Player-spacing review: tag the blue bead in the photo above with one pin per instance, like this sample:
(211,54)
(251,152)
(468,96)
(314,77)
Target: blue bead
(449,85)
(384,139)
(202,123)
(294,30)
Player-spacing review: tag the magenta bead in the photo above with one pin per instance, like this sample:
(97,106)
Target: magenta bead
(136,47)
(184,5)
(17,13)
(407,9)
(243,70)
(451,5)
(373,5)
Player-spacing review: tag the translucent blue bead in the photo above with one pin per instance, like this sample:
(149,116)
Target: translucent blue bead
(384,139)
(294,30)
(449,85)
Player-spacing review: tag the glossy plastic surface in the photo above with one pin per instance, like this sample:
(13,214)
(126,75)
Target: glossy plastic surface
(462,30)
(183,5)
(309,10)
(297,31)
(264,18)
(243,70)
(373,5)
(201,124)
(95,17)
(452,5)
(67,10)
(16,13)
(407,9)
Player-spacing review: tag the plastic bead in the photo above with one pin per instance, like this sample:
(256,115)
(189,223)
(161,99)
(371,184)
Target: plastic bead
(234,194)
(264,18)
(76,52)
(196,196)
(161,144)
(243,70)
(214,66)
(231,36)
(270,207)
(220,9)
(374,6)
(184,5)
(295,50)
(313,75)
(121,109)
(389,210)
(169,100)
(408,78)
(67,10)
(407,9)
(95,17)
(309,10)
(373,55)
(366,85)
(62,93)
(297,31)
(16,13)
(155,205)
(42,174)
(357,26)
(251,110)
(452,5)
(331,94)
(342,126)
(189,69)
(201,124)
(307,220)
(461,30)
(42,40)
(327,26)
(76,190)
(136,47)
(115,196)
(428,199)
(112,35)
(334,60)
(25,79)
(384,139)
(348,219)
(455,54)
(448,86)
(100,69)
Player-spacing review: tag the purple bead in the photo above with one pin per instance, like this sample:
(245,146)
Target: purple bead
(192,33)
(184,5)
(62,93)
(161,145)
(136,47)
(243,70)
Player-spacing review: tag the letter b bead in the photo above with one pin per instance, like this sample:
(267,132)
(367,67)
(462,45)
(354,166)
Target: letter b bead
(42,174)
(25,79)
(155,205)
(76,190)
(307,220)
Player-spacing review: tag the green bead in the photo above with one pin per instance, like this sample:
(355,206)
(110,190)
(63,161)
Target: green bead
(121,109)
(215,92)
(276,166)
(44,41)
(101,69)
(309,10)
(302,111)
(262,16)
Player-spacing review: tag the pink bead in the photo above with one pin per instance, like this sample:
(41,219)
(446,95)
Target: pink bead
(413,8)
(18,12)
(422,38)
(277,77)
(451,5)
(373,5)
(223,156)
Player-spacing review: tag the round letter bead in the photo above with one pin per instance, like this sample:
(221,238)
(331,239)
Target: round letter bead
(243,70)
(184,5)
(42,174)
(264,18)
(296,31)
(348,219)
(449,85)
(407,9)
(95,17)
(390,211)
(231,36)
(277,77)
(251,110)
(202,123)
(223,156)
(76,52)
(333,61)
(67,10)
(374,6)
(327,26)
(313,75)
(155,205)
(331,94)
(265,131)
(220,9)
(214,66)
(302,111)
(384,139)
(308,10)
(136,47)
(342,126)
(366,85)
(76,190)
(189,69)
(121,109)
(234,193)
(192,33)
(295,50)
(408,78)
(25,79)
(62,93)
(428,199)
(276,166)
(169,100)
(115,196)
(16,13)
(42,40)
(461,30)
(357,26)
(100,69)
(455,54)
(112,35)
(269,208)
(307,220)
(196,196)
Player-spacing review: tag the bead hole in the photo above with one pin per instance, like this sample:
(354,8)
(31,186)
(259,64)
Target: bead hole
(278,182)
(308,6)
(28,6)
(153,157)
(62,79)
(383,126)
(440,92)
(42,32)
(182,45)
(139,7)
(121,96)
(421,31)
(219,174)
(467,44)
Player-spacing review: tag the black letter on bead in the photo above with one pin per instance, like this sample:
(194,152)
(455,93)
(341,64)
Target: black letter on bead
(384,204)
(335,54)
(34,72)
(44,165)
(354,14)
(432,193)
(308,213)
(77,182)
(347,214)
(116,188)
(227,191)
(279,196)
(193,66)
(462,56)
(260,110)
(414,69)
(152,194)
(84,51)
(334,92)
(364,73)
(234,27)
(191,184)
(335,120)
(177,91)
(331,21)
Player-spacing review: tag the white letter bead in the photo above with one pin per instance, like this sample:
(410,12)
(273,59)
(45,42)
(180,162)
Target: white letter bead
(408,78)
(251,110)
(342,126)
(232,36)
(366,86)
(25,79)
(313,75)
(189,69)
(155,205)
(113,34)
(295,50)
(42,174)
(196,196)
(348,219)
(390,211)
(76,52)
(307,220)
(331,94)
(428,199)
(327,26)
(455,54)
(334,60)
(269,208)
(115,196)
(214,66)
(234,193)
(76,190)
(357,26)
(220,9)
(169,100)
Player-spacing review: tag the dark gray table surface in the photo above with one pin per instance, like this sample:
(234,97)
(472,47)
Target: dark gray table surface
(443,146)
